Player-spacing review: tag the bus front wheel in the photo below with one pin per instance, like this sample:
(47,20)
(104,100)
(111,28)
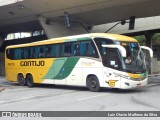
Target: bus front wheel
(21,80)
(29,81)
(93,84)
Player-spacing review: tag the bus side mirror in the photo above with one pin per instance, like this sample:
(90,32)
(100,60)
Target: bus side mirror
(119,47)
(149,49)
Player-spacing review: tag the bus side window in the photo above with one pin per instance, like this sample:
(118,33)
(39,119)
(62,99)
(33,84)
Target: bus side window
(61,50)
(29,52)
(42,52)
(10,54)
(93,51)
(87,49)
(82,48)
(48,51)
(67,49)
(25,55)
(76,49)
(90,50)
(52,50)
(33,53)
(17,54)
(22,53)
(36,51)
(56,50)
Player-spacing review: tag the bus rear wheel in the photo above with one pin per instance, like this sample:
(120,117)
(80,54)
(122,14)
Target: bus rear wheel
(29,81)
(93,84)
(21,80)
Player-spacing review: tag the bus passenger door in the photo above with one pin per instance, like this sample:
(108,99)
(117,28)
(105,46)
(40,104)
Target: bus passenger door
(113,66)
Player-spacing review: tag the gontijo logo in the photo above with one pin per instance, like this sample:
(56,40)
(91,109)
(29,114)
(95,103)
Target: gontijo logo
(111,83)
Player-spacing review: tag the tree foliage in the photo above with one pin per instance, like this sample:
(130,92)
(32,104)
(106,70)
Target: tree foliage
(141,39)
(156,37)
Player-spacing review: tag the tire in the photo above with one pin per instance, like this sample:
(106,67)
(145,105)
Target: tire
(93,84)
(29,81)
(21,80)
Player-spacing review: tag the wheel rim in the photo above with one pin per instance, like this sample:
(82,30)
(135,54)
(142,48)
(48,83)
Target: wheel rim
(93,83)
(29,81)
(21,80)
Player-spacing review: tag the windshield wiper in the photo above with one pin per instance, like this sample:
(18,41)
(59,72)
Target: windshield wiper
(138,58)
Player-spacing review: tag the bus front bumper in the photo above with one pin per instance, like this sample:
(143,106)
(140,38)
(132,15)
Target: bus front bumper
(131,84)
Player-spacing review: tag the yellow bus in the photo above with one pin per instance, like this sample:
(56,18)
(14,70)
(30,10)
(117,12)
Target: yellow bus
(94,60)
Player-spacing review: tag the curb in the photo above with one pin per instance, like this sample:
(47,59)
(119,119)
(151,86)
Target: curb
(153,75)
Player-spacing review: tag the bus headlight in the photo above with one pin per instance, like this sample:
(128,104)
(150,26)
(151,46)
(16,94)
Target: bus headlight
(123,76)
(131,78)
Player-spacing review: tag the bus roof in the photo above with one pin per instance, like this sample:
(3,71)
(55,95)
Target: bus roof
(115,37)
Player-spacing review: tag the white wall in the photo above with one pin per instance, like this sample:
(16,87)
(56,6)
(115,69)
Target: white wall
(155,67)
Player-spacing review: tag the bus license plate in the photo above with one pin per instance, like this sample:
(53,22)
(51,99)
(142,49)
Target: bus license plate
(139,85)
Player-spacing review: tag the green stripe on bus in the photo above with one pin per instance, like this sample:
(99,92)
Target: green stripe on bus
(67,68)
(85,38)
(55,68)
(61,68)
(78,39)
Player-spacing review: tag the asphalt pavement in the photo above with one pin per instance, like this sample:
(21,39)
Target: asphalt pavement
(72,98)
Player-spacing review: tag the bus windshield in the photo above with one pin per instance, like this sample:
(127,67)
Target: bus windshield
(135,60)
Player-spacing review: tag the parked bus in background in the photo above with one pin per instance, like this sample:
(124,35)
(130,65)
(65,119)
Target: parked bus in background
(94,60)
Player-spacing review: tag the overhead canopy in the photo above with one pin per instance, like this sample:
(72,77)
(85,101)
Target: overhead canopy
(22,16)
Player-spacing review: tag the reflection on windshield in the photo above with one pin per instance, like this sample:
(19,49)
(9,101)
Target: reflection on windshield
(134,61)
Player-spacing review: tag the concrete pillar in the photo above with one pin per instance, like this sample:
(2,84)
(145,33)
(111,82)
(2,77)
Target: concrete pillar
(2,64)
(151,61)
(1,41)
(58,29)
(2,60)
(149,36)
